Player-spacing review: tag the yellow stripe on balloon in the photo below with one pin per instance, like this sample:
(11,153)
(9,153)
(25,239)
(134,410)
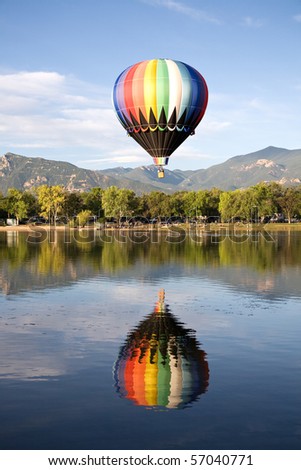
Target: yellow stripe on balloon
(150,87)
(151,379)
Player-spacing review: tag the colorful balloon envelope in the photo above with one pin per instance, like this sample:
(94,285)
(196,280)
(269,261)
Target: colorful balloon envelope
(161,364)
(160,102)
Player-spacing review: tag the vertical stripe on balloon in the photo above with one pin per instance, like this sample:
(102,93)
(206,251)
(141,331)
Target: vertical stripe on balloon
(175,88)
(162,88)
(150,88)
(128,93)
(138,90)
(150,379)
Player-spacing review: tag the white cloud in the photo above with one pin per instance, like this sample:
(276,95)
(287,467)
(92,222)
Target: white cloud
(215,126)
(256,103)
(47,110)
(32,83)
(184,9)
(253,22)
(127,151)
(297,18)
(119,159)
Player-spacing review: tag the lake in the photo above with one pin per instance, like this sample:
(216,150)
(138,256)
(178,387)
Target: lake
(150,340)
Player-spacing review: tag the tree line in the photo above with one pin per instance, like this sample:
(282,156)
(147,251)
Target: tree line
(258,203)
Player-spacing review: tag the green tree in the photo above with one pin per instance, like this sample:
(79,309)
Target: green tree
(31,202)
(3,206)
(142,206)
(239,203)
(73,204)
(158,204)
(119,203)
(176,204)
(290,203)
(265,197)
(246,204)
(207,202)
(213,202)
(83,217)
(51,200)
(202,203)
(190,204)
(16,204)
(93,201)
(229,206)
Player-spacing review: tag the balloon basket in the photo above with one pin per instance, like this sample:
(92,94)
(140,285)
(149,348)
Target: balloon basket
(161,173)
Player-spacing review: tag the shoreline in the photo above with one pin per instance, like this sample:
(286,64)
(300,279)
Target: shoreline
(202,228)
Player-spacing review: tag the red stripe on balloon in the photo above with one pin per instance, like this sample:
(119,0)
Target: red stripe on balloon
(128,92)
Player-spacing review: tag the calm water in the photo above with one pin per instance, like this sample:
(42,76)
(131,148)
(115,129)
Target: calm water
(94,356)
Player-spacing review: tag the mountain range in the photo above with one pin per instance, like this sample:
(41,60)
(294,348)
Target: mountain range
(269,164)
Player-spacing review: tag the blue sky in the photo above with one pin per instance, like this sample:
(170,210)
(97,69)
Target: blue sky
(59,60)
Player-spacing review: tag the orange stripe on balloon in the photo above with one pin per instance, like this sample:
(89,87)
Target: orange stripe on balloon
(138,90)
(128,91)
(138,380)
(128,377)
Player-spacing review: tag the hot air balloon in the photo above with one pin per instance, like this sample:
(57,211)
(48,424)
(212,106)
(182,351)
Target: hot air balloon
(161,364)
(160,102)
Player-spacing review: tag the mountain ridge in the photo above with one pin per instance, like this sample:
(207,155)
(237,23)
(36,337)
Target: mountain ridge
(270,164)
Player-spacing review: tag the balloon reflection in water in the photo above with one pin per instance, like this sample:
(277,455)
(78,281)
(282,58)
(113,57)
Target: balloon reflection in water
(161,364)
